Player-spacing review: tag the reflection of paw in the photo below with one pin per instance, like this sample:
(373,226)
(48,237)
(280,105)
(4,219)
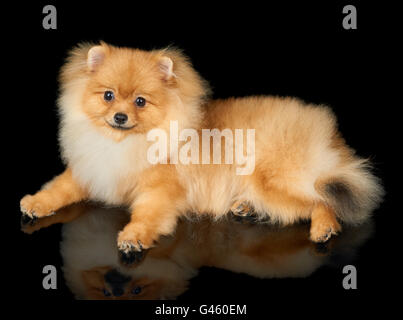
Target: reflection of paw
(322,231)
(35,207)
(29,225)
(130,254)
(322,248)
(28,220)
(250,218)
(131,250)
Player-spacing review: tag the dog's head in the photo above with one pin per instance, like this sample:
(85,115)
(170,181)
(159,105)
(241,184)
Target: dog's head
(123,91)
(107,283)
(92,269)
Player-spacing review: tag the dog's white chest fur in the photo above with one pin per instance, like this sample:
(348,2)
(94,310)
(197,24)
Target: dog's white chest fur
(100,163)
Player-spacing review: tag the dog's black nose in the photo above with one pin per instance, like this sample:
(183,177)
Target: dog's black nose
(120,118)
(114,277)
(117,292)
(116,281)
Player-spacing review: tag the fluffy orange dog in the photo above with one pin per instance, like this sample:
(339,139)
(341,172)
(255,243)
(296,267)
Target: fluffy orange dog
(112,97)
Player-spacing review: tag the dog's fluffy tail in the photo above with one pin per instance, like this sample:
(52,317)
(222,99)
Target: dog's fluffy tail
(352,191)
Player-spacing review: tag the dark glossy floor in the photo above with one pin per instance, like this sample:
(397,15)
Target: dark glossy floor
(240,247)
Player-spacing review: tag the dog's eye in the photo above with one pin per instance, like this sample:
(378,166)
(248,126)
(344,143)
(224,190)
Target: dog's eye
(109,96)
(140,102)
(106,293)
(136,290)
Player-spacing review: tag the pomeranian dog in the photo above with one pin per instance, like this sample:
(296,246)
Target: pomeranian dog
(112,98)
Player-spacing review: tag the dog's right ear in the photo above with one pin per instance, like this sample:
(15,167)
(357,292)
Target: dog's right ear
(96,56)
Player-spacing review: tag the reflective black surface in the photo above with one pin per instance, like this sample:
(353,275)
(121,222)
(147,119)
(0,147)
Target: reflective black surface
(92,270)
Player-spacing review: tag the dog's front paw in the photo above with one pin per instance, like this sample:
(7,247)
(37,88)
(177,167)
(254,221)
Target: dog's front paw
(131,249)
(36,206)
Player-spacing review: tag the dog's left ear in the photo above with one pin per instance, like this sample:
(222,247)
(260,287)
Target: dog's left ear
(166,66)
(96,56)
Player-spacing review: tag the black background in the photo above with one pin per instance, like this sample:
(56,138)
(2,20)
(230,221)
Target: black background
(288,50)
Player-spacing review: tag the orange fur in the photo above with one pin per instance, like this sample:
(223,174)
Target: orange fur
(59,192)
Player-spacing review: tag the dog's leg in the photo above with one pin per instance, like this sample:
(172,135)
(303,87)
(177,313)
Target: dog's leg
(61,191)
(323,223)
(149,220)
(155,213)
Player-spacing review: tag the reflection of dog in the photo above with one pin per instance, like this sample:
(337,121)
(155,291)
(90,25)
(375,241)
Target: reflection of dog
(111,97)
(92,269)
(91,260)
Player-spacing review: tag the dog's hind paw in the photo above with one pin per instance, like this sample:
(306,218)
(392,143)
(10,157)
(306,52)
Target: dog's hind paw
(322,232)
(242,209)
(245,213)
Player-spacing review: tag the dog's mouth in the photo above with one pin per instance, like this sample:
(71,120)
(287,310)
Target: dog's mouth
(119,127)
